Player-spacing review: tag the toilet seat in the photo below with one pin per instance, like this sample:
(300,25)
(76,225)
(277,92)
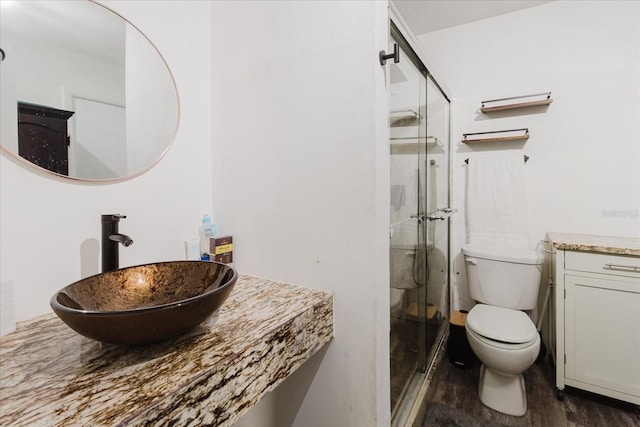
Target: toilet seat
(498,253)
(499,344)
(501,327)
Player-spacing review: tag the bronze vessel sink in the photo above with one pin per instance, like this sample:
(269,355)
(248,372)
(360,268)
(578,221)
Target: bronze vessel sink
(146,303)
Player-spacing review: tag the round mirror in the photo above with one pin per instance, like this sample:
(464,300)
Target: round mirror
(83,93)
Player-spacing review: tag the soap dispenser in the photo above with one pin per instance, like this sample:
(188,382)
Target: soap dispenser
(207,230)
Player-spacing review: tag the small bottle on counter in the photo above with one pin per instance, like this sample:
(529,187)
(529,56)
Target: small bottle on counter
(207,230)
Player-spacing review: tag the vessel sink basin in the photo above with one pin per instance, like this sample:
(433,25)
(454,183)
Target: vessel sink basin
(146,303)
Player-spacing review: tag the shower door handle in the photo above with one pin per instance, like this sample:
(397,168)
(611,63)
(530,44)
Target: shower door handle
(435,215)
(441,214)
(419,217)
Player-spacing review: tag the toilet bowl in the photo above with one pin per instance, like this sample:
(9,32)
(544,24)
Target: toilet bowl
(503,281)
(396,298)
(401,269)
(507,343)
(402,266)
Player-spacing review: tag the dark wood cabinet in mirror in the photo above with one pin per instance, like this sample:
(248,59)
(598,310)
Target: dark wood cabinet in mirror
(42,137)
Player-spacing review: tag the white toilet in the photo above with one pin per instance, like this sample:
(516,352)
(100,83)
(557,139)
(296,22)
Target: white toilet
(396,300)
(503,281)
(402,258)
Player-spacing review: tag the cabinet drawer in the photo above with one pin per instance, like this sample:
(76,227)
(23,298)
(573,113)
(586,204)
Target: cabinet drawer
(618,265)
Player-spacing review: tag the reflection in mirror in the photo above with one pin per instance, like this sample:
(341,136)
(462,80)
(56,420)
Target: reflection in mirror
(78,60)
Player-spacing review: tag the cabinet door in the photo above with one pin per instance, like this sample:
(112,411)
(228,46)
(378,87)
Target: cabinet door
(43,138)
(602,340)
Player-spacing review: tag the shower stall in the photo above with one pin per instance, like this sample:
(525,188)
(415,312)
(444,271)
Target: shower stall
(419,228)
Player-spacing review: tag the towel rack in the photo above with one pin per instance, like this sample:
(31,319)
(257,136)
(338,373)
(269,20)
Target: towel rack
(528,101)
(517,134)
(525,159)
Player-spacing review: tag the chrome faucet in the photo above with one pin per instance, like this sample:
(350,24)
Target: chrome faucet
(111,238)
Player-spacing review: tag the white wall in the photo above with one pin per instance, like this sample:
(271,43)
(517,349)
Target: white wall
(583,174)
(50,227)
(301,179)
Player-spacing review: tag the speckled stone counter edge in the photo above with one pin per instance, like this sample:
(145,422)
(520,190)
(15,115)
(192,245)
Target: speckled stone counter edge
(213,398)
(594,243)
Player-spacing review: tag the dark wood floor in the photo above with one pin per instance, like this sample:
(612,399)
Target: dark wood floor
(455,402)
(404,351)
(403,355)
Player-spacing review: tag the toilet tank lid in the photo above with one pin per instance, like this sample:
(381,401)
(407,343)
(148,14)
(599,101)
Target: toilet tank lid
(501,253)
(501,324)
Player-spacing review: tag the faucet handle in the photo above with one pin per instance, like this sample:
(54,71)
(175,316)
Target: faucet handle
(112,217)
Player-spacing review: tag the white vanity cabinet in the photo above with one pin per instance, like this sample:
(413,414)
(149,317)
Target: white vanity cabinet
(597,321)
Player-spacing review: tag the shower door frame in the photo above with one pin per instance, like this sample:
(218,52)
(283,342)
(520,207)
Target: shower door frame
(413,405)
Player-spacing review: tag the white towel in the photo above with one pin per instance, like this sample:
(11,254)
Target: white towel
(497,202)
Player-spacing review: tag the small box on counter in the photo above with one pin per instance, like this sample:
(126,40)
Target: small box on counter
(221,249)
(224,258)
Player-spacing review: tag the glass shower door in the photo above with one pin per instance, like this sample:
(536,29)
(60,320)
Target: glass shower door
(408,130)
(419,228)
(437,216)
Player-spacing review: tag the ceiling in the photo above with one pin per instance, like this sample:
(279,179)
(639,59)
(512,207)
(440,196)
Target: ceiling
(83,27)
(425,16)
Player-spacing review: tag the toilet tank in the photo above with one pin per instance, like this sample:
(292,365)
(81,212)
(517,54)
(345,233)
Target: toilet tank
(402,267)
(504,277)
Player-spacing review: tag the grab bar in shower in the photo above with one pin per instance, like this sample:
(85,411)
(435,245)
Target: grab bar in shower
(526,158)
(412,217)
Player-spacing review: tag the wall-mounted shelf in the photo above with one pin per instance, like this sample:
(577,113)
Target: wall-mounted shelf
(516,102)
(403,118)
(497,135)
(413,145)
(429,140)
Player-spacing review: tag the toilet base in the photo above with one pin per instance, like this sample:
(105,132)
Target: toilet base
(503,393)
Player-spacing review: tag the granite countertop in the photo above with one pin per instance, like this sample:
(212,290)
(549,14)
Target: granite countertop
(52,376)
(593,243)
